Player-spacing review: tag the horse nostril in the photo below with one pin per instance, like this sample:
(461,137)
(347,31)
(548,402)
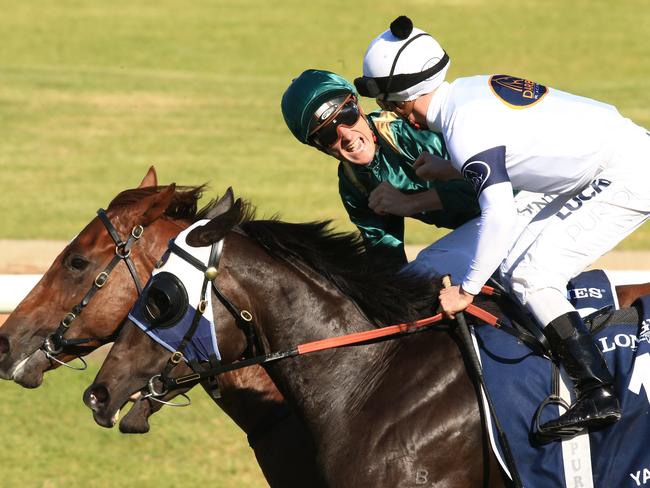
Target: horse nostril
(4,346)
(96,397)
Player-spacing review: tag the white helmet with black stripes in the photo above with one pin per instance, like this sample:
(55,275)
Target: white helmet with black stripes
(402,63)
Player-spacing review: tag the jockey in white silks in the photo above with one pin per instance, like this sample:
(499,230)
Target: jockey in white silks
(506,134)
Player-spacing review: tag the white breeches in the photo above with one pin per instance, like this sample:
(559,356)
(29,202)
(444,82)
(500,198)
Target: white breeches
(555,247)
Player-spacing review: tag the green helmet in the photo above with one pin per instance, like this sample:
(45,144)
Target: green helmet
(306,94)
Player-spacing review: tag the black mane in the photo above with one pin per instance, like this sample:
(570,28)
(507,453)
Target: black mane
(384,295)
(184,204)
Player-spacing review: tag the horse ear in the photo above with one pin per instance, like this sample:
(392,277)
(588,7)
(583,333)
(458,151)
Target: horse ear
(216,229)
(157,204)
(224,204)
(150,179)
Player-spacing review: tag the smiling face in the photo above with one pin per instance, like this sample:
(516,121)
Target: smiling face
(356,144)
(341,130)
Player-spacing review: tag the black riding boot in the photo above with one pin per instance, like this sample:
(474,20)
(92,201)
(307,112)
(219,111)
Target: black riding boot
(596,403)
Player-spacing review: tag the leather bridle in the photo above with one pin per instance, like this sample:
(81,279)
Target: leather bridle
(243,319)
(55,343)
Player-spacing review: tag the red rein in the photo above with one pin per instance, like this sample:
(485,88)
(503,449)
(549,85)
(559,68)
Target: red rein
(369,335)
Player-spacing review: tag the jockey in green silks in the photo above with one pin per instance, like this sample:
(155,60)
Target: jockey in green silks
(376,152)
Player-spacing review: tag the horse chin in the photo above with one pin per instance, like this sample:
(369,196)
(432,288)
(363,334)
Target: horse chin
(136,421)
(28,373)
(104,420)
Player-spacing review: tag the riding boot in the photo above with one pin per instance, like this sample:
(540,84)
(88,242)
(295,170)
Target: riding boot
(596,404)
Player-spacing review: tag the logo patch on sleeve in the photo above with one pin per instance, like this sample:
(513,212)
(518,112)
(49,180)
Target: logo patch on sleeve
(486,168)
(477,173)
(516,92)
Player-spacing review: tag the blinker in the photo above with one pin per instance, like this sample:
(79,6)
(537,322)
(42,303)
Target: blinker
(165,300)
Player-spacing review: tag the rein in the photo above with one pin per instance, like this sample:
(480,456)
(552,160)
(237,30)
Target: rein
(357,338)
(245,322)
(56,343)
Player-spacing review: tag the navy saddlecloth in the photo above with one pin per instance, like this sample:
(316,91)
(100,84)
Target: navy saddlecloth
(519,381)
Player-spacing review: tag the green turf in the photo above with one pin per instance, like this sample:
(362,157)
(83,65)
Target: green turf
(49,440)
(92,93)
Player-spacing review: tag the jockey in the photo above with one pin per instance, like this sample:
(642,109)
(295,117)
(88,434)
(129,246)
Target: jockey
(376,152)
(505,133)
(378,184)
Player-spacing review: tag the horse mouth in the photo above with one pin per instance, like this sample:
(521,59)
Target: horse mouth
(105,416)
(104,419)
(136,420)
(28,372)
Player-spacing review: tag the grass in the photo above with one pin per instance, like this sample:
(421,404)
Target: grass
(49,440)
(92,93)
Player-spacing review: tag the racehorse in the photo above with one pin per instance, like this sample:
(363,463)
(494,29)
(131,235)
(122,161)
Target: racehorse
(395,413)
(282,447)
(248,396)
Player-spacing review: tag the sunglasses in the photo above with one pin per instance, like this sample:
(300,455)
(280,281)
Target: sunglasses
(327,134)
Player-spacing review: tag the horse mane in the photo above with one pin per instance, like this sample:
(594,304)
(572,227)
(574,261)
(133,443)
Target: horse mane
(183,206)
(382,293)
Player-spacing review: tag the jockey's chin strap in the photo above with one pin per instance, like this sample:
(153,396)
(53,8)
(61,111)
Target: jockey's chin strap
(56,343)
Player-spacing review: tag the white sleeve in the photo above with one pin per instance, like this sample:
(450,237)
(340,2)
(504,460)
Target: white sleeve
(496,234)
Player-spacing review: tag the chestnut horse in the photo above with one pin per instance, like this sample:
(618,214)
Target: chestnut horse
(395,413)
(281,444)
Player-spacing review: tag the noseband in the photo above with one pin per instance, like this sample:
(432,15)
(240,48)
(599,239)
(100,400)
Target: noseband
(56,343)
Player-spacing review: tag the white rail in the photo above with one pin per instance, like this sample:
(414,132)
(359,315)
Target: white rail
(13,288)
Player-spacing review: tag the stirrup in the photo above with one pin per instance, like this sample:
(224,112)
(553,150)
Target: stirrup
(541,435)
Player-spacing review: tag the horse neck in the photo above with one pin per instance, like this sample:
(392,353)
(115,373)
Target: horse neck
(296,305)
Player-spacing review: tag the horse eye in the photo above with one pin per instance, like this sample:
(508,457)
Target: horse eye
(78,263)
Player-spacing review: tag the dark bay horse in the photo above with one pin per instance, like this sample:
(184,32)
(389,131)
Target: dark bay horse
(396,413)
(280,442)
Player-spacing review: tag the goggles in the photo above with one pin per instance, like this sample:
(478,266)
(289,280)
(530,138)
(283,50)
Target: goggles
(346,114)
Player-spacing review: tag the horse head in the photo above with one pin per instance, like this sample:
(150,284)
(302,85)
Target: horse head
(82,298)
(266,275)
(134,361)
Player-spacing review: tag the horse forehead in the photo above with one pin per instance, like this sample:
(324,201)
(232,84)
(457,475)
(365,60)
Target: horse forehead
(91,236)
